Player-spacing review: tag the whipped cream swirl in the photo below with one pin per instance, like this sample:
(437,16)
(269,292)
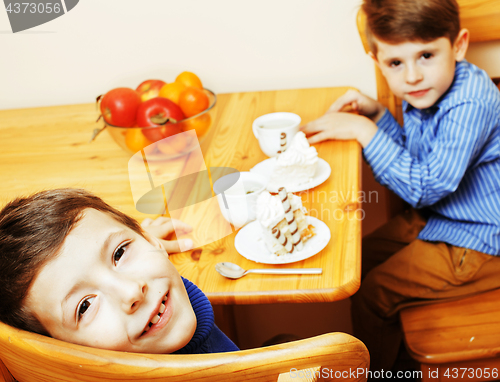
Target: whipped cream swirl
(295,201)
(299,152)
(269,210)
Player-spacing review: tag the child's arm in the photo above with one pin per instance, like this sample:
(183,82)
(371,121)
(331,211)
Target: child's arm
(337,125)
(343,126)
(459,138)
(360,103)
(163,229)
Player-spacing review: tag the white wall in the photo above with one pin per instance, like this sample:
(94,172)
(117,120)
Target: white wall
(233,45)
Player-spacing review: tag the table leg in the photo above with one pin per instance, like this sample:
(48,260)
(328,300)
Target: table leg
(226,321)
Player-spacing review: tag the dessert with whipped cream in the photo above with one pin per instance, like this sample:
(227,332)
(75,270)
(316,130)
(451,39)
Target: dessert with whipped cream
(283,222)
(297,164)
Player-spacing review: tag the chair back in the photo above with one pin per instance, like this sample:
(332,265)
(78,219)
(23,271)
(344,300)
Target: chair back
(30,357)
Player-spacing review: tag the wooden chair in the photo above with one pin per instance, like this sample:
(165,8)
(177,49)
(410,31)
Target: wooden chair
(464,333)
(449,336)
(29,357)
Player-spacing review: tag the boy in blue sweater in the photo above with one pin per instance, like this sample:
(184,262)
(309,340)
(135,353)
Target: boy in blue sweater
(76,269)
(445,162)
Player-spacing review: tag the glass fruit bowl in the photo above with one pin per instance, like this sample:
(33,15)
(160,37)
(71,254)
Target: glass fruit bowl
(166,141)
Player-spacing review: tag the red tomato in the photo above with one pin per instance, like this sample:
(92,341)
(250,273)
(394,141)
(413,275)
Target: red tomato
(119,107)
(150,89)
(156,112)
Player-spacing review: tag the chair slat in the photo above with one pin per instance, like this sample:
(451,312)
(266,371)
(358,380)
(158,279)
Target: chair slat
(482,18)
(32,357)
(452,331)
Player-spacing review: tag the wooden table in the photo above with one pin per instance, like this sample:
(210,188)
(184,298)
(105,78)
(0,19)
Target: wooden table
(43,148)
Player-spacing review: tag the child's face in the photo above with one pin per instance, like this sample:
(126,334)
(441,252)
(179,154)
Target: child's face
(418,72)
(106,286)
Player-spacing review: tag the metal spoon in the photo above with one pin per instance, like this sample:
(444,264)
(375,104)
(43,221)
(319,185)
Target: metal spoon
(234,271)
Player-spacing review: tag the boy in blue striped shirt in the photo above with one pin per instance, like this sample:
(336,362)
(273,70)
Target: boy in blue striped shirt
(445,162)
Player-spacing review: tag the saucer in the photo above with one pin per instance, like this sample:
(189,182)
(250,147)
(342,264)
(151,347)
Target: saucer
(266,168)
(249,244)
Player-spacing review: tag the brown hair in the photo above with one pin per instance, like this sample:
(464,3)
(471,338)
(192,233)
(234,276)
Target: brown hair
(397,21)
(32,231)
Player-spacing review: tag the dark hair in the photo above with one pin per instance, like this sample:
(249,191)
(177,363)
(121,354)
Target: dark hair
(32,231)
(397,21)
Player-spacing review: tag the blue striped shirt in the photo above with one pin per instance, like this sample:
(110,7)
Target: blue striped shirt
(447,158)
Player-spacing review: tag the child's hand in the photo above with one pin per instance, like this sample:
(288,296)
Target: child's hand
(163,229)
(343,126)
(336,124)
(359,103)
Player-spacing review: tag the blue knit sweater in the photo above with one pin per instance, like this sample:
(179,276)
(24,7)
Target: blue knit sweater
(207,338)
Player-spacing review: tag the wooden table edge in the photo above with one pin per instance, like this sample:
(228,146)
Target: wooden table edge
(285,296)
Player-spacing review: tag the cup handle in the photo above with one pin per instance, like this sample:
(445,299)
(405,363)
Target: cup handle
(255,132)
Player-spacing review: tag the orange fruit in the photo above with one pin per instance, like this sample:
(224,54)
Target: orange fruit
(189,79)
(200,124)
(193,101)
(172,91)
(174,144)
(136,140)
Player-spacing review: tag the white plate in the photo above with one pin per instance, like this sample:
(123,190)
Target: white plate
(249,244)
(266,168)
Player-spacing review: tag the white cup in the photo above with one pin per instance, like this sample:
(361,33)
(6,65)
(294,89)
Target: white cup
(268,129)
(237,198)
